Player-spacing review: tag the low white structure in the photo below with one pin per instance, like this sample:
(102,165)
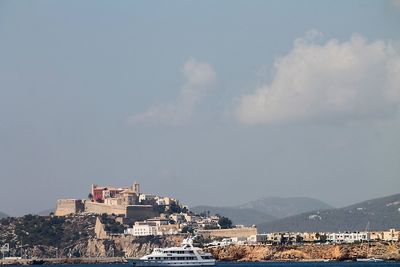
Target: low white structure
(141,230)
(155,226)
(348,237)
(391,235)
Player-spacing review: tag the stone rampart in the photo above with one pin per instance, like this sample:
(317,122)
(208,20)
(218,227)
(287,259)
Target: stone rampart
(136,212)
(100,208)
(68,206)
(141,212)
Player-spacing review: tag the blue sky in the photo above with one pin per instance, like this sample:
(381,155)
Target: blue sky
(197,99)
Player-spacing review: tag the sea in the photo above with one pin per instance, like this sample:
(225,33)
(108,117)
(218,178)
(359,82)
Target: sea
(261,264)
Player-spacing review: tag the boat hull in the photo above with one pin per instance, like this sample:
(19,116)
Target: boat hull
(156,263)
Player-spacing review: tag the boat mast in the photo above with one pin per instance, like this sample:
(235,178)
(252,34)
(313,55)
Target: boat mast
(367,230)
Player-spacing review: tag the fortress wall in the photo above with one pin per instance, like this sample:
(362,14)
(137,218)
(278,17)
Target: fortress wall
(141,212)
(68,206)
(136,212)
(100,208)
(118,210)
(233,232)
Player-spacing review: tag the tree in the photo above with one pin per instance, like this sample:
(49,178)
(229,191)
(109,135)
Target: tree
(224,222)
(299,239)
(317,236)
(323,238)
(283,239)
(175,208)
(187,229)
(210,227)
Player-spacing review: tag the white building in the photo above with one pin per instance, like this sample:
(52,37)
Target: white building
(347,237)
(178,217)
(147,197)
(391,235)
(141,230)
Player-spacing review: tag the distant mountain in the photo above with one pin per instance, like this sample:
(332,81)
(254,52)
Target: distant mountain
(283,207)
(238,216)
(381,213)
(3,215)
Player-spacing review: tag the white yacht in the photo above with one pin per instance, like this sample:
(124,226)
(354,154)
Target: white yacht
(185,255)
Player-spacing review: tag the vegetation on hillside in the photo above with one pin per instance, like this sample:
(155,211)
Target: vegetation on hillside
(31,230)
(110,225)
(224,222)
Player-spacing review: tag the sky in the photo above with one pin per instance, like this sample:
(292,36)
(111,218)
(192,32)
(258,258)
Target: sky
(211,102)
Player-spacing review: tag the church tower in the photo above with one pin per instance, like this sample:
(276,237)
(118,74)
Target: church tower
(136,188)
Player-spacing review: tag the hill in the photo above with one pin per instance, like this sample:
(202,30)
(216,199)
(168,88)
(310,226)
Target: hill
(48,236)
(283,207)
(382,213)
(238,216)
(3,215)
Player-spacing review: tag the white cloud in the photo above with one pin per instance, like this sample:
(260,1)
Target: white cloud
(200,77)
(396,4)
(355,79)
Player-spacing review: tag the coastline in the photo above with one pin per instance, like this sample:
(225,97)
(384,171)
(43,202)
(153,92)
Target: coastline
(309,252)
(119,260)
(57,261)
(254,253)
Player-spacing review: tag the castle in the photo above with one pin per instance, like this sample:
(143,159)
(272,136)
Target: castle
(128,202)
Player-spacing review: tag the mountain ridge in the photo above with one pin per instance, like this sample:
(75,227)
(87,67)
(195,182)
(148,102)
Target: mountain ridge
(3,215)
(238,216)
(267,209)
(381,213)
(282,207)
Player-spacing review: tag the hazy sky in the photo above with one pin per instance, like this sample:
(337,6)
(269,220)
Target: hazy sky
(213,102)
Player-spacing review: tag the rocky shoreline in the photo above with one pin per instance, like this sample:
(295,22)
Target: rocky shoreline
(253,253)
(307,252)
(47,261)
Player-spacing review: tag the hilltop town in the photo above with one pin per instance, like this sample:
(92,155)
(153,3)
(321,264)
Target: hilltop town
(124,222)
(147,214)
(128,202)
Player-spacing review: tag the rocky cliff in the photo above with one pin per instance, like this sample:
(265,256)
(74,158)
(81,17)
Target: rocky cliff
(310,252)
(35,236)
(118,246)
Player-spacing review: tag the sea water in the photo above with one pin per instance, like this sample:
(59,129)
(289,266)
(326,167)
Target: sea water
(261,264)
